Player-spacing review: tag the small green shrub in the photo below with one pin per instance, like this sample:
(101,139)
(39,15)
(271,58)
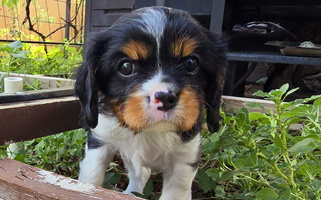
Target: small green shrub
(256,155)
(59,153)
(60,60)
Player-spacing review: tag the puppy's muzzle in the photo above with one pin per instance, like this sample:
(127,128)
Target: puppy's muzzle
(168,99)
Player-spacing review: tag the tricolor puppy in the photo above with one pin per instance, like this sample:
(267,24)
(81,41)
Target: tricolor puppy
(143,88)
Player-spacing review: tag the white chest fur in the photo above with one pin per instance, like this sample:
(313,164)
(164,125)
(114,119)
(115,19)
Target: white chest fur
(154,147)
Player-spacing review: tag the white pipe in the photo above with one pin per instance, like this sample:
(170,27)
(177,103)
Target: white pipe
(13,84)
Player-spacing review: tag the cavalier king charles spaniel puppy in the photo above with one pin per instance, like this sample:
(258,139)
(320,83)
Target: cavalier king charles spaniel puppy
(143,87)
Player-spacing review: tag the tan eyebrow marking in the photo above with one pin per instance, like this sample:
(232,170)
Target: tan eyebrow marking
(183,47)
(136,50)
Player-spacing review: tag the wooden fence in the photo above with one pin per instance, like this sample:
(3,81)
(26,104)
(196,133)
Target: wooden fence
(56,20)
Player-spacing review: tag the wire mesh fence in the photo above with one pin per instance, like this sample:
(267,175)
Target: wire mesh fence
(42,21)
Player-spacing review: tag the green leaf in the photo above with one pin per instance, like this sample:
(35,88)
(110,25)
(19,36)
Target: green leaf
(292,91)
(219,191)
(20,157)
(250,160)
(263,130)
(253,158)
(149,188)
(311,169)
(205,182)
(267,194)
(278,142)
(257,115)
(214,173)
(15,45)
(208,147)
(260,93)
(284,88)
(285,195)
(317,104)
(142,196)
(5,49)
(254,105)
(112,178)
(19,54)
(312,98)
(240,120)
(227,175)
(316,183)
(304,146)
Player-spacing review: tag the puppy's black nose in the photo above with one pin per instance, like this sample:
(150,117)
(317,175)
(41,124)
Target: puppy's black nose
(168,99)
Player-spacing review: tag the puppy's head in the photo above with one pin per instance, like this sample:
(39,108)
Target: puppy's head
(154,65)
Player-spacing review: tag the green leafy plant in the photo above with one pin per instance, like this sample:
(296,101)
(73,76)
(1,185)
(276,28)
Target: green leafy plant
(12,55)
(60,61)
(35,85)
(21,58)
(257,155)
(59,153)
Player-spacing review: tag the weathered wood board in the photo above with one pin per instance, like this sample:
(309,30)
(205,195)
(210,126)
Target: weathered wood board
(19,181)
(32,119)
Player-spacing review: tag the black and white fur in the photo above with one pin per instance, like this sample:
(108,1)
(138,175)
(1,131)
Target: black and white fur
(143,87)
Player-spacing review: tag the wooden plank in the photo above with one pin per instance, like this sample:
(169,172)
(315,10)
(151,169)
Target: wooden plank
(235,103)
(29,120)
(19,181)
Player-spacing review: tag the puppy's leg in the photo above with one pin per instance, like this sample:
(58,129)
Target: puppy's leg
(97,158)
(178,182)
(138,177)
(179,177)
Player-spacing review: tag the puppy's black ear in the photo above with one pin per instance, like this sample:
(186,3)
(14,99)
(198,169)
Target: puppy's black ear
(216,69)
(86,87)
(86,90)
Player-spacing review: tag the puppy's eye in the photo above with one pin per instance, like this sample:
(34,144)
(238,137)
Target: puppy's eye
(126,69)
(191,65)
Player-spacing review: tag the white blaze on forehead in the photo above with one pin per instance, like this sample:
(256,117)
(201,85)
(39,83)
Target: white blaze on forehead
(153,21)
